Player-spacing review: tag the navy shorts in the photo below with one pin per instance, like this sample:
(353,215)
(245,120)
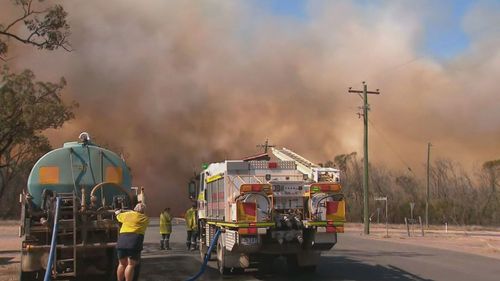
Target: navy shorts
(129,253)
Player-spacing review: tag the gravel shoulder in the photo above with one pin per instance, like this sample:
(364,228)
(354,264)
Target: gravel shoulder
(470,240)
(9,251)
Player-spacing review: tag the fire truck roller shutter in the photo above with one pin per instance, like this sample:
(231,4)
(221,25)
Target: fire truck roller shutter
(319,204)
(263,204)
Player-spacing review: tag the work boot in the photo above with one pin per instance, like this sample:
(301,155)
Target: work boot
(167,245)
(162,244)
(188,244)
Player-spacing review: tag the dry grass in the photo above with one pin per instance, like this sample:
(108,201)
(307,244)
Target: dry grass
(431,227)
(483,241)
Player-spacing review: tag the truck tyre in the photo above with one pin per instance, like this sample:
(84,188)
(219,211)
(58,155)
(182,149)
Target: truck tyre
(308,269)
(203,251)
(293,265)
(203,242)
(31,275)
(221,255)
(112,265)
(265,264)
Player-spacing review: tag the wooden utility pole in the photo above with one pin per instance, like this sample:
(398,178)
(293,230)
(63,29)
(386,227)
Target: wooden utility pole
(365,108)
(266,145)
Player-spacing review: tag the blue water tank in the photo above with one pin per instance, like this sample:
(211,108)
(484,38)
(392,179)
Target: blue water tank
(79,165)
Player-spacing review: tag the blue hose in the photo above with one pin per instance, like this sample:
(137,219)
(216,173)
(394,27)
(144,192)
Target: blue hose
(53,242)
(207,256)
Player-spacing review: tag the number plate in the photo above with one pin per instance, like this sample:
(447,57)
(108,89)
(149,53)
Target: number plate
(248,240)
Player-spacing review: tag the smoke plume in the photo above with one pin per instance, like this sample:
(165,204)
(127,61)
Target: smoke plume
(175,84)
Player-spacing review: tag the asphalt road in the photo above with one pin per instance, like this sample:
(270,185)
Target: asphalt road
(353,258)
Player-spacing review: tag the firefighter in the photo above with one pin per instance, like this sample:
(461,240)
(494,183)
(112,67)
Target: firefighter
(191,228)
(165,228)
(130,241)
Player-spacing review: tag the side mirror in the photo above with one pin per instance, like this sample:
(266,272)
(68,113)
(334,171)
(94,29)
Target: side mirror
(192,189)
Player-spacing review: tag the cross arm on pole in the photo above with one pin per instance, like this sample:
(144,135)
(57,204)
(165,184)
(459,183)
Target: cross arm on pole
(377,92)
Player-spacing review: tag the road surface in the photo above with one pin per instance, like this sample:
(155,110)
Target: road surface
(353,258)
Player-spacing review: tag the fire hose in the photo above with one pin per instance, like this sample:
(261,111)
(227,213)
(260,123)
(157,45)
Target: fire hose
(207,256)
(53,242)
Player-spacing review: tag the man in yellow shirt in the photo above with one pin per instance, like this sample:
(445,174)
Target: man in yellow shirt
(165,228)
(130,241)
(191,228)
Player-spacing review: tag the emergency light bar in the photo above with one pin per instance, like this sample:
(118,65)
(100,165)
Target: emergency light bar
(256,188)
(272,165)
(325,187)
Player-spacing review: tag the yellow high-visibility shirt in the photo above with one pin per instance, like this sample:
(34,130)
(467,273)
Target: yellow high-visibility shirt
(190,217)
(133,222)
(165,223)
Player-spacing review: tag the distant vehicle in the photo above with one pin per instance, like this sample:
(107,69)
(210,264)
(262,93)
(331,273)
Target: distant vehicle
(267,209)
(92,182)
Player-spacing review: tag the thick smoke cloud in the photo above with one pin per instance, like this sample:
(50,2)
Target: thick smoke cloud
(179,83)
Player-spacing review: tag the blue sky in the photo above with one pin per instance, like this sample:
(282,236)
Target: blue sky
(442,40)
(446,41)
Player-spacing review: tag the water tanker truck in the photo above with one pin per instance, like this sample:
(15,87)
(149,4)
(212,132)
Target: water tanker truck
(90,182)
(266,209)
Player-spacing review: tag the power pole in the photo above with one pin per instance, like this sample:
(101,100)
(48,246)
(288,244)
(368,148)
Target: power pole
(266,146)
(365,108)
(428,193)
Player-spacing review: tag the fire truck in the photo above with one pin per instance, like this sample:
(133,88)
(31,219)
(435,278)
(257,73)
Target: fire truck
(265,209)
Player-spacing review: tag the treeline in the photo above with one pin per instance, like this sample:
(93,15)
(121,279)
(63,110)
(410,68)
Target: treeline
(457,196)
(28,107)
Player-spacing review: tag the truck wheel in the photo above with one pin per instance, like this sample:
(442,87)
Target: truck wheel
(31,275)
(292,262)
(293,265)
(203,251)
(221,259)
(112,265)
(203,247)
(308,269)
(265,264)
(238,270)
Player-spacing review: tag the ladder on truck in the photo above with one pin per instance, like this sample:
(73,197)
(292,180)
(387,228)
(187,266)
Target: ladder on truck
(303,165)
(67,232)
